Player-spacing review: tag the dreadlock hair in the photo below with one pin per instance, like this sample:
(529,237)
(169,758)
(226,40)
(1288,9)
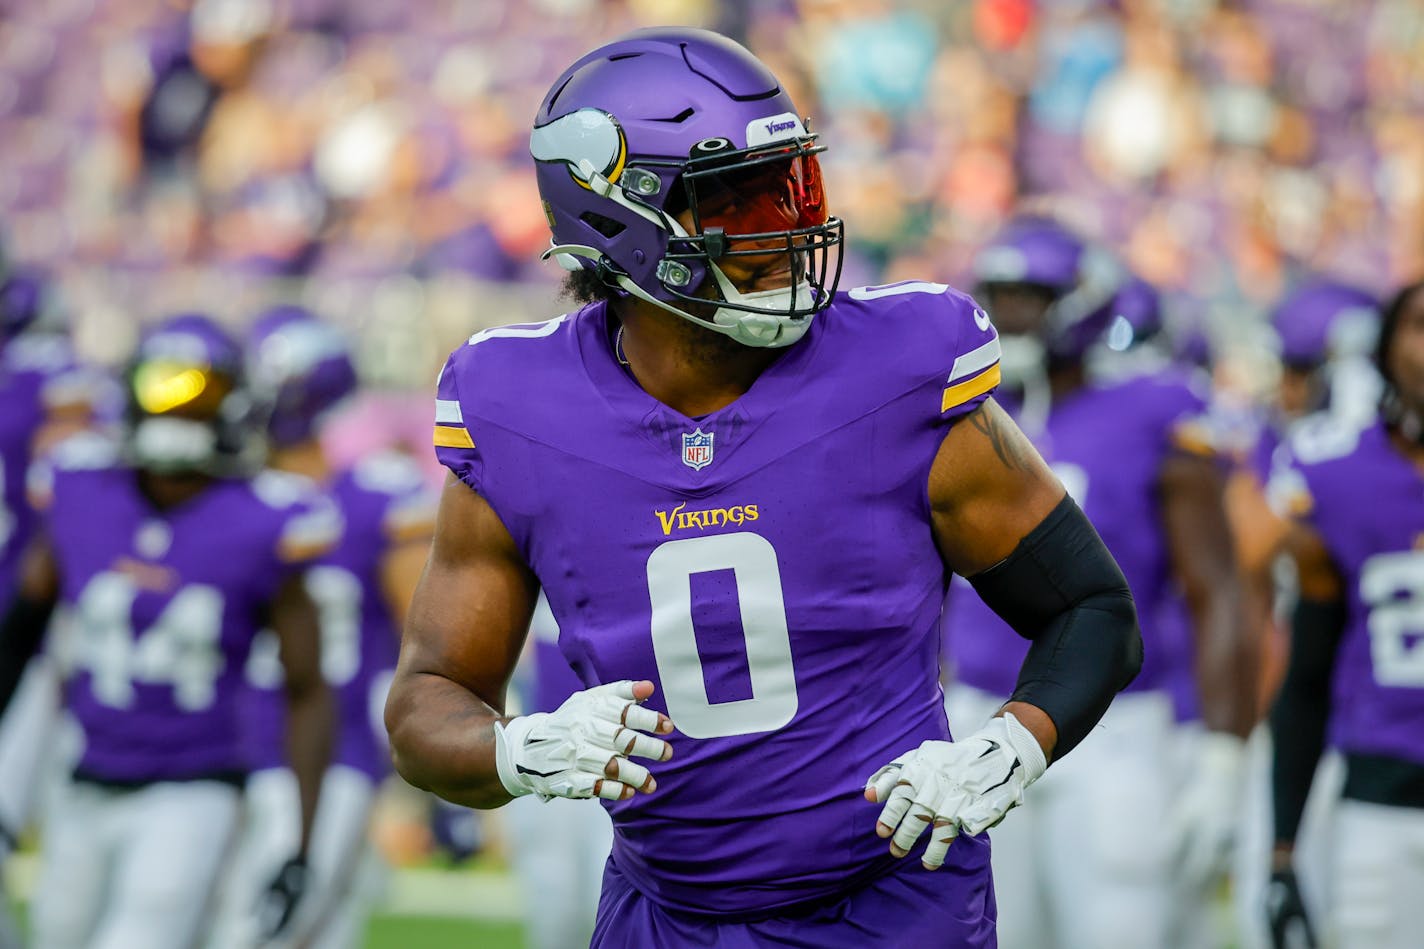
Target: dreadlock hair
(584,286)
(1398,416)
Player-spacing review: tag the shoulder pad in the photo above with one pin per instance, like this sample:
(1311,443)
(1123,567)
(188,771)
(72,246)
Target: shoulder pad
(939,331)
(281,490)
(1323,437)
(387,472)
(83,451)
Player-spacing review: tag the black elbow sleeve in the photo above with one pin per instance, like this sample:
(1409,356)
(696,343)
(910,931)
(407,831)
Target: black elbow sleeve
(1062,590)
(1301,711)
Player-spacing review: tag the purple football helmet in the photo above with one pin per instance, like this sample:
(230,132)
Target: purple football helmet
(187,407)
(1078,283)
(1136,315)
(1322,318)
(26,298)
(300,368)
(677,121)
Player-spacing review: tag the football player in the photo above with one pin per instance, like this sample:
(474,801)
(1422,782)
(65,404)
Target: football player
(43,396)
(559,846)
(1324,328)
(742,491)
(1355,679)
(170,555)
(301,369)
(1094,862)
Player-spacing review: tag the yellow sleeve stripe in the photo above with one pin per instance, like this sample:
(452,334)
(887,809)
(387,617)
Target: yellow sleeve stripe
(962,392)
(452,436)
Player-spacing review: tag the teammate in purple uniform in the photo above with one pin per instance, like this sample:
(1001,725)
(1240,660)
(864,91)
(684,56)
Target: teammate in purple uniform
(301,369)
(170,557)
(1094,862)
(559,847)
(743,492)
(1355,680)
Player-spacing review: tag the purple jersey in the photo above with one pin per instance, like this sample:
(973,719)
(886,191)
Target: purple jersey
(33,369)
(165,605)
(383,501)
(1107,443)
(1366,501)
(770,567)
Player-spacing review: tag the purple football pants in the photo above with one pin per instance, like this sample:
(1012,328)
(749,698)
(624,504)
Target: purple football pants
(911,908)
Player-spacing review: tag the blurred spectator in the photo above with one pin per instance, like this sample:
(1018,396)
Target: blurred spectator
(218,153)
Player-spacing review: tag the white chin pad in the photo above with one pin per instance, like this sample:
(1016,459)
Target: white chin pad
(173,442)
(770,329)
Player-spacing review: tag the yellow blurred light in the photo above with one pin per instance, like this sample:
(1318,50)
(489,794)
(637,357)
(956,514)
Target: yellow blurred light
(162,387)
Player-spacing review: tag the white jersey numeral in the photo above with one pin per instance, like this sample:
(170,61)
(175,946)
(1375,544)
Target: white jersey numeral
(337,595)
(181,648)
(896,289)
(1392,587)
(752,560)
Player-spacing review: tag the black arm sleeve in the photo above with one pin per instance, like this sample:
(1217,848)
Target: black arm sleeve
(1062,590)
(21,632)
(1301,710)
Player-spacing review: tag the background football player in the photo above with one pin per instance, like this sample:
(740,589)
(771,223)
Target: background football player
(171,555)
(301,370)
(1325,331)
(742,492)
(559,846)
(1355,679)
(1093,862)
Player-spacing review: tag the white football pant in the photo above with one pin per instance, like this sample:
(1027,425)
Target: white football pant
(1314,851)
(1085,862)
(1376,877)
(132,869)
(559,849)
(27,736)
(331,913)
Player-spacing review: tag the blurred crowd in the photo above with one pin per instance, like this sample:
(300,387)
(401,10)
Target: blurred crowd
(370,159)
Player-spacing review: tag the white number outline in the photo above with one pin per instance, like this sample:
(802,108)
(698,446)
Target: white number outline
(182,648)
(337,595)
(752,559)
(1392,620)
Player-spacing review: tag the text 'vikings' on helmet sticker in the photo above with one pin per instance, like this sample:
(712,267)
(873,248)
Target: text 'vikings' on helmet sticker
(589,141)
(774,128)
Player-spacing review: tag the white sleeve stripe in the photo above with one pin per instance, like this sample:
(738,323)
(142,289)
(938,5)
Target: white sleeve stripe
(975,360)
(447,412)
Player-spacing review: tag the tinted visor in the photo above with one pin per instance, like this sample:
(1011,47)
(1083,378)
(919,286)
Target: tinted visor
(773,194)
(166,387)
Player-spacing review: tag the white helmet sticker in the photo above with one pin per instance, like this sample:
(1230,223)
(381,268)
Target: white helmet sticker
(774,128)
(589,141)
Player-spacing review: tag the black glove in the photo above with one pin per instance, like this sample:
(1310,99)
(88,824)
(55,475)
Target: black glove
(282,896)
(1285,911)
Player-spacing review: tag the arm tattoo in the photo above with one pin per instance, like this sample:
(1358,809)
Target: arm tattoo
(1008,444)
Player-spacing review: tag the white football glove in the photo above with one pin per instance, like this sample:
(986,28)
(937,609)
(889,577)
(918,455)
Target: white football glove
(1202,823)
(571,751)
(956,786)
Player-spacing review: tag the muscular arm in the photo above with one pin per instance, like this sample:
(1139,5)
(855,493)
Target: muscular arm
(23,626)
(1302,708)
(463,633)
(311,718)
(1204,562)
(991,498)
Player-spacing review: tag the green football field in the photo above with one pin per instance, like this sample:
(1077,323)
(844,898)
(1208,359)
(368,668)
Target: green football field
(433,932)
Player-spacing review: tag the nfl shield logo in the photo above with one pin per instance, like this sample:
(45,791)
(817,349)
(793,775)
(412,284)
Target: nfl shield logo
(697,449)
